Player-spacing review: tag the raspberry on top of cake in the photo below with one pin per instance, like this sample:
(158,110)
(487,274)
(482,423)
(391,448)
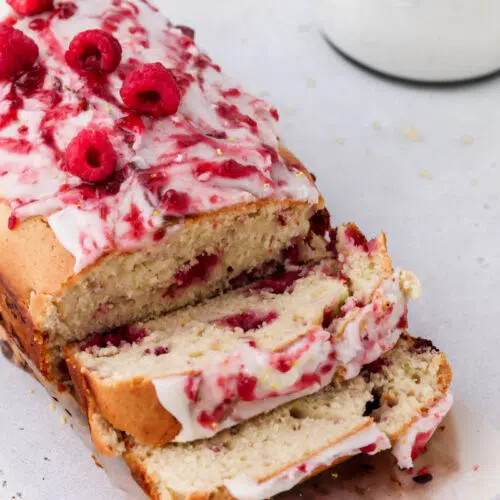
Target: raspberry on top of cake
(113,124)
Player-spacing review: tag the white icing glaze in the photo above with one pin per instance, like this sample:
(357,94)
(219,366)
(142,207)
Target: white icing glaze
(373,330)
(244,487)
(310,355)
(164,154)
(423,427)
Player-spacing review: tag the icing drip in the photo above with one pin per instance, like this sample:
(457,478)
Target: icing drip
(412,443)
(246,383)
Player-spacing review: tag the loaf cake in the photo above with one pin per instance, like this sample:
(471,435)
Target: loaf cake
(405,389)
(201,369)
(135,176)
(170,260)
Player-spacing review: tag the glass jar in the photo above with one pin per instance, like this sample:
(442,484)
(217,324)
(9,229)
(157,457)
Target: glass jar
(424,40)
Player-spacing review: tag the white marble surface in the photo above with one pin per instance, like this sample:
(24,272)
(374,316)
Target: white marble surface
(421,163)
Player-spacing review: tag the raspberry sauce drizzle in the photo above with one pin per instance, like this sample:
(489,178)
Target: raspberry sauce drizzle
(251,375)
(234,158)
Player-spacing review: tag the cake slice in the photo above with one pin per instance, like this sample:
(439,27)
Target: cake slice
(274,452)
(199,370)
(136,186)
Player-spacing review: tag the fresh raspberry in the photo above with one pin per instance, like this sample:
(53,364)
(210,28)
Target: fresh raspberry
(151,89)
(18,52)
(94,51)
(90,156)
(30,7)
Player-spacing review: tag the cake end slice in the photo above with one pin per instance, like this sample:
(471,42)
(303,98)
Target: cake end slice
(275,451)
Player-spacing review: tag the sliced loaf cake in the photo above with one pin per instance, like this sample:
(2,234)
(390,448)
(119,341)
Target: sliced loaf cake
(196,371)
(273,452)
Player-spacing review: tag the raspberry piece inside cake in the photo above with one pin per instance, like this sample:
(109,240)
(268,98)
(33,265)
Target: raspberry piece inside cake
(248,320)
(116,338)
(196,272)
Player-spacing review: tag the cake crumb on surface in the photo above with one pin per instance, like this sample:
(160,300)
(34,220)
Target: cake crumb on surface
(96,461)
(412,134)
(425,174)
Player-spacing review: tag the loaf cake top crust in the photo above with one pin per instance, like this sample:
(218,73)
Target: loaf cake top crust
(114,126)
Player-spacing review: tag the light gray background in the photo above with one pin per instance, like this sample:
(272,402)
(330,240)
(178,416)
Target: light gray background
(357,132)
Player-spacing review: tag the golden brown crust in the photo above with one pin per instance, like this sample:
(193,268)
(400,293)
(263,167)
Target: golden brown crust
(87,404)
(18,323)
(100,444)
(445,375)
(83,395)
(32,260)
(141,476)
(382,241)
(444,379)
(124,405)
(133,406)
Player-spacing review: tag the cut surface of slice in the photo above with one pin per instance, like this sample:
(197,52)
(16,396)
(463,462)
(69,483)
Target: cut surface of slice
(196,371)
(275,451)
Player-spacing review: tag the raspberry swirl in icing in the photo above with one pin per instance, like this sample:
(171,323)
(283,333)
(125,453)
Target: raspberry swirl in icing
(218,150)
